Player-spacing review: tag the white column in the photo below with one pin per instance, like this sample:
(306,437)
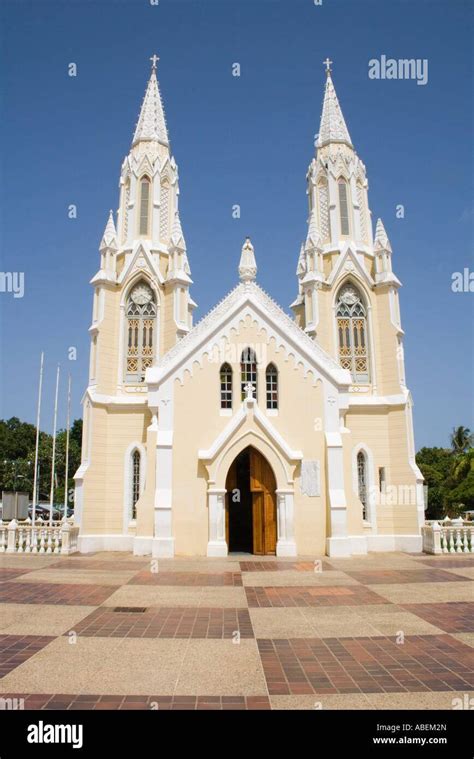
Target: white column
(217,545)
(286,544)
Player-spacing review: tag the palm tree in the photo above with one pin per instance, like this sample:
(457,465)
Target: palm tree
(461,440)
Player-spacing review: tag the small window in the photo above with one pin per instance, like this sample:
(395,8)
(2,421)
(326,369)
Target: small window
(382,482)
(144,205)
(343,207)
(362,481)
(135,482)
(248,371)
(226,386)
(271,377)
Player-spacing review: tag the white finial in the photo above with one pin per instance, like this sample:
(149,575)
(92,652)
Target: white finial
(248,265)
(249,388)
(154,60)
(327,63)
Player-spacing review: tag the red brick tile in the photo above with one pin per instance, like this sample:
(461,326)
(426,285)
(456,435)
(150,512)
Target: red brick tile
(165,622)
(54,593)
(453,617)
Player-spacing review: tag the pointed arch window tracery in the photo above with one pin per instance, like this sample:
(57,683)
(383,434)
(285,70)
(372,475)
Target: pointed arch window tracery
(140,332)
(352,334)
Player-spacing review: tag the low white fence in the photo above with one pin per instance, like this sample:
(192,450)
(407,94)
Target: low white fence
(40,537)
(448,536)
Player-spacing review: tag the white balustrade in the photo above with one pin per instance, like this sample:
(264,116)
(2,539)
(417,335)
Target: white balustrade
(448,536)
(24,537)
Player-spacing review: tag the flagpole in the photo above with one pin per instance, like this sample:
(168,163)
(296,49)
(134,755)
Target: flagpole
(38,412)
(53,460)
(68,420)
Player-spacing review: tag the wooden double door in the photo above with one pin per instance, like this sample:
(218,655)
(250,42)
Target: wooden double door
(251,505)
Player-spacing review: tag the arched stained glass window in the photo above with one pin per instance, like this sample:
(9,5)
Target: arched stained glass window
(135,482)
(140,332)
(362,481)
(226,386)
(352,333)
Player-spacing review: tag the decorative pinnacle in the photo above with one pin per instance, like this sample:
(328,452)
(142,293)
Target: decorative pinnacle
(381,241)
(109,238)
(247,265)
(154,60)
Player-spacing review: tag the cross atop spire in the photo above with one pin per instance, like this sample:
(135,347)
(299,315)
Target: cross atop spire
(327,63)
(333,127)
(151,122)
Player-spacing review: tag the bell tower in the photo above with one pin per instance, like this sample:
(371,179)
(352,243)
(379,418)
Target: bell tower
(142,304)
(347,292)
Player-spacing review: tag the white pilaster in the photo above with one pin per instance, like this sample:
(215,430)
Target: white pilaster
(217,545)
(286,544)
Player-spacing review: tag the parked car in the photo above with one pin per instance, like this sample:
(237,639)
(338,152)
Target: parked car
(42,510)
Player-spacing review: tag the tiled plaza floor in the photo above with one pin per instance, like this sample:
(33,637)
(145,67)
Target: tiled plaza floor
(114,631)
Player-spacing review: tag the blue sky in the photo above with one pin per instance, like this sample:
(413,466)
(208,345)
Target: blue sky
(244,140)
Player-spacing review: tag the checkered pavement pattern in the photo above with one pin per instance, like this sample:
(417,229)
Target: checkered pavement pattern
(114,631)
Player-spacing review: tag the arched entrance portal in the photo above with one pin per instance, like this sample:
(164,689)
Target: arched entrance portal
(250,515)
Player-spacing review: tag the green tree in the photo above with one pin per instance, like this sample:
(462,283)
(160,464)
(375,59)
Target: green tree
(461,440)
(17,457)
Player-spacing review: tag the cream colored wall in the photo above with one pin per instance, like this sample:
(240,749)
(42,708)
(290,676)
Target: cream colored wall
(385,435)
(112,433)
(198,422)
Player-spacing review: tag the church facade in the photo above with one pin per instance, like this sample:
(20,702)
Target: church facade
(250,431)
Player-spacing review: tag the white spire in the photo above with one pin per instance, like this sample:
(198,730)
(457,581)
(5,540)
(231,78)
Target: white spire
(333,127)
(381,241)
(248,265)
(109,239)
(151,122)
